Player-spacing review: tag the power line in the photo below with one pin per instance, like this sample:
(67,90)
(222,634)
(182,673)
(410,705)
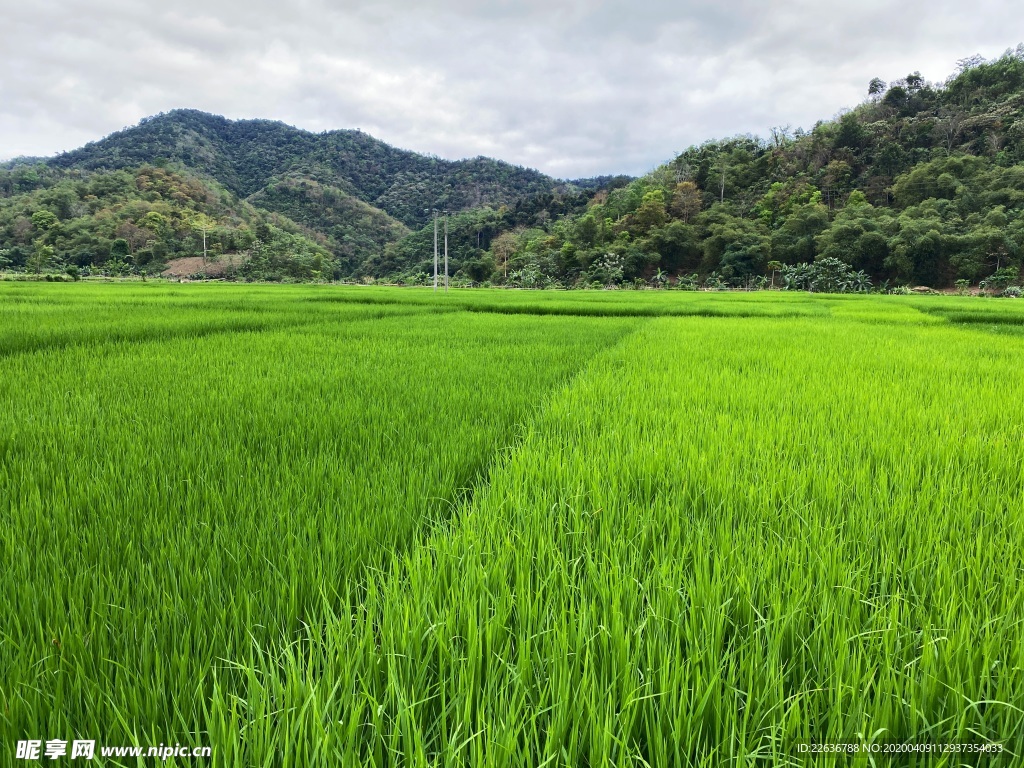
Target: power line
(435,249)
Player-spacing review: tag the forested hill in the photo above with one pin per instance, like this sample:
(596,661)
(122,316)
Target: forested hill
(254,156)
(350,192)
(132,222)
(922,183)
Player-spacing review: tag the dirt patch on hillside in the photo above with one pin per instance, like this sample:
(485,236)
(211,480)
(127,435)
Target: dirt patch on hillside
(193,266)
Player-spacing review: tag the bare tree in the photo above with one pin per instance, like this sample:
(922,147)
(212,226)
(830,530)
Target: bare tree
(202,223)
(504,247)
(781,135)
(950,126)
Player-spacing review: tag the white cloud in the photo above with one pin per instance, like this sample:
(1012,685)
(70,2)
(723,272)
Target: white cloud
(573,88)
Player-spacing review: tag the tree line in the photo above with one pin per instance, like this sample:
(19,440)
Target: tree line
(135,222)
(922,184)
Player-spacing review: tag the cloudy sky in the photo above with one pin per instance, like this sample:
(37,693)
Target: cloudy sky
(573,88)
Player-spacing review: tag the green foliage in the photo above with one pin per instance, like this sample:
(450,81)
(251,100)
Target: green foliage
(352,194)
(287,256)
(354,230)
(826,275)
(922,184)
(135,222)
(357,191)
(316,526)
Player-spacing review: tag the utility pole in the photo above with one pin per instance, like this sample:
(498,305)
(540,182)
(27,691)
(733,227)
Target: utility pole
(435,250)
(830,196)
(446,251)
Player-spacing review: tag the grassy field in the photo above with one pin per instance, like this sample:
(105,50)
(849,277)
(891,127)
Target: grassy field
(311,525)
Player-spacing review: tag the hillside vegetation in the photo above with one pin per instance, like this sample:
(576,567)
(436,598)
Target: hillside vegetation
(353,190)
(124,222)
(922,184)
(248,155)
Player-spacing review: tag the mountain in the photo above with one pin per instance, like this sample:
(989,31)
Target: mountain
(356,191)
(248,155)
(139,220)
(922,183)
(353,230)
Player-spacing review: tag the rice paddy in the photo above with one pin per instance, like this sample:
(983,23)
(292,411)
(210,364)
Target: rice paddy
(320,526)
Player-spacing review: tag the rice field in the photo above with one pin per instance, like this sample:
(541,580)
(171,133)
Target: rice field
(323,526)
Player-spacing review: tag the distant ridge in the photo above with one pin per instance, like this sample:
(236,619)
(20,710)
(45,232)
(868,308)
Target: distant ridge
(254,156)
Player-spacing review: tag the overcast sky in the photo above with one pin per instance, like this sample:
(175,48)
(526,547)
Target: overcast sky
(572,88)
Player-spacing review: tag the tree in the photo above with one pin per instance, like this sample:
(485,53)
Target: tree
(156,222)
(851,132)
(587,231)
(876,87)
(896,98)
(678,246)
(120,248)
(136,237)
(44,221)
(608,269)
(970,62)
(858,236)
(651,212)
(42,257)
(200,222)
(914,81)
(918,251)
(794,240)
(781,135)
(686,201)
(949,127)
(263,233)
(503,247)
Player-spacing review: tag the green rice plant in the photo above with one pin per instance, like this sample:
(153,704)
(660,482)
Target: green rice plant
(318,526)
(173,505)
(699,559)
(589,303)
(41,316)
